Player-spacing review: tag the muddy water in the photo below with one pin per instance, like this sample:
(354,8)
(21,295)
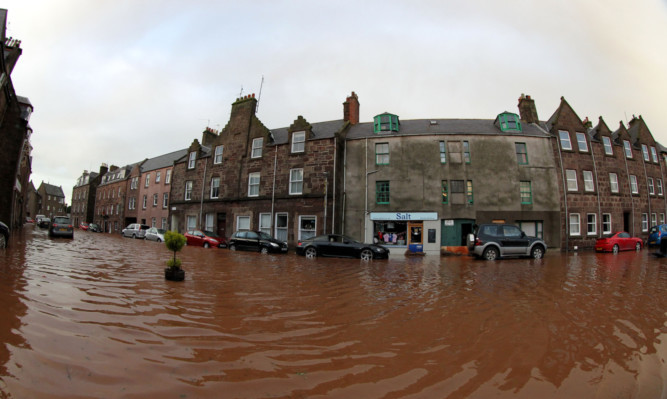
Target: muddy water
(94,317)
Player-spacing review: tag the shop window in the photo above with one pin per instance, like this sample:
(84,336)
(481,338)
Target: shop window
(521,153)
(390,232)
(526,192)
(382,192)
(386,123)
(382,154)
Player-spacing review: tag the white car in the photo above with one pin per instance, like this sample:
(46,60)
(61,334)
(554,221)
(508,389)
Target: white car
(155,234)
(135,230)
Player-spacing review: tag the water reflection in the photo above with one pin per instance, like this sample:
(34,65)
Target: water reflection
(94,316)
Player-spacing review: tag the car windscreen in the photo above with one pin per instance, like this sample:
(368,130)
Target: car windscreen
(211,234)
(61,220)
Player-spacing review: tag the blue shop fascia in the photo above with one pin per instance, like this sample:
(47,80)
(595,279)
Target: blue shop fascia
(418,232)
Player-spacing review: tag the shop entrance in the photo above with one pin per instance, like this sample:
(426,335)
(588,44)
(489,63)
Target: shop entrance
(416,237)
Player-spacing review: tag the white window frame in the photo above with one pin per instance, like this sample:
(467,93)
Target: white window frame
(190,222)
(651,186)
(645,152)
(217,159)
(564,137)
(209,221)
(167,178)
(589,185)
(157,176)
(662,218)
(148,180)
(281,231)
(654,219)
(654,155)
(145,201)
(307,233)
(165,200)
(581,142)
(296,181)
(660,192)
(299,142)
(242,223)
(257,145)
(253,184)
(613,182)
(571,177)
(215,187)
(634,187)
(262,223)
(608,149)
(575,225)
(164,224)
(644,222)
(606,223)
(192,160)
(188,190)
(591,224)
(153,222)
(627,148)
(155,200)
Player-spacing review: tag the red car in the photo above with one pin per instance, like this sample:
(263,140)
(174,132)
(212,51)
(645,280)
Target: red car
(619,241)
(205,238)
(83,226)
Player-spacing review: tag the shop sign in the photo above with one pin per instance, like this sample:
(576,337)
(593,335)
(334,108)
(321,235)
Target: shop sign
(449,222)
(404,216)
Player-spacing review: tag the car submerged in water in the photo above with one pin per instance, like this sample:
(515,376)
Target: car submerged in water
(493,241)
(61,227)
(256,241)
(337,245)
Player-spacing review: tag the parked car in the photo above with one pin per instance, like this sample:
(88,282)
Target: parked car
(61,227)
(619,241)
(155,234)
(656,234)
(256,241)
(492,241)
(4,235)
(28,219)
(44,222)
(38,218)
(94,227)
(135,230)
(83,226)
(204,238)
(340,246)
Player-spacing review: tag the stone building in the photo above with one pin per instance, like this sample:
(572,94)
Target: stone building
(33,201)
(53,200)
(154,188)
(111,199)
(83,196)
(285,182)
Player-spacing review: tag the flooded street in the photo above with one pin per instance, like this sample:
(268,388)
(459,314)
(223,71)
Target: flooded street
(94,317)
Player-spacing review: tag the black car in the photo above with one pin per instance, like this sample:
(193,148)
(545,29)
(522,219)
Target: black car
(44,222)
(256,241)
(341,246)
(492,241)
(94,227)
(61,227)
(4,235)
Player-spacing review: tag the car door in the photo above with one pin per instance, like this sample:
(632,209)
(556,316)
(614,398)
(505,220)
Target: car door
(251,242)
(331,245)
(625,242)
(514,242)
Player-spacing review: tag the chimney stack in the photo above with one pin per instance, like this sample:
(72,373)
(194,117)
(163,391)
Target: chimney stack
(351,109)
(104,169)
(527,109)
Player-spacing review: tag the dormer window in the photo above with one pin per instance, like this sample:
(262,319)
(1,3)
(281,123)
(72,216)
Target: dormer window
(386,123)
(192,159)
(509,122)
(298,141)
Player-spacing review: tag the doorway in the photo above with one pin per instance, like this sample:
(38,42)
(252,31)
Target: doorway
(222,225)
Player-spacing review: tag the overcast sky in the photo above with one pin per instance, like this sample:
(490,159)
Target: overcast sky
(122,80)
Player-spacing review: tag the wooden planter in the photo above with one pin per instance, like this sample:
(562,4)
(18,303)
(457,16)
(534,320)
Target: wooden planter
(174,274)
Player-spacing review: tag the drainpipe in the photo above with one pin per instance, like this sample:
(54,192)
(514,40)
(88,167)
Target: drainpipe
(273,190)
(333,200)
(632,200)
(201,201)
(597,190)
(648,194)
(342,224)
(567,217)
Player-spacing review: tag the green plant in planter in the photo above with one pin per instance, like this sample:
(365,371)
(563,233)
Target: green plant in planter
(174,242)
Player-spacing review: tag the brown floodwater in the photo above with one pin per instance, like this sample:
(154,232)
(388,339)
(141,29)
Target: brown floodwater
(94,317)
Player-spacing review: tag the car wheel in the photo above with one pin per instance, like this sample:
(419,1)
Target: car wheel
(206,245)
(638,247)
(134,236)
(615,249)
(232,247)
(159,240)
(366,254)
(3,241)
(264,250)
(311,252)
(537,252)
(490,253)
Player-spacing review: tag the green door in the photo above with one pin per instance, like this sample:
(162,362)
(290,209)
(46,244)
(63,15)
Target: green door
(455,231)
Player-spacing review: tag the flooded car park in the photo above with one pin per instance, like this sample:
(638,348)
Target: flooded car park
(94,317)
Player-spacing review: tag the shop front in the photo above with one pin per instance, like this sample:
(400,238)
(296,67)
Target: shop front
(416,232)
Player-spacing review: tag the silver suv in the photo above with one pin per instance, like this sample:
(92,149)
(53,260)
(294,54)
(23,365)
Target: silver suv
(491,241)
(135,230)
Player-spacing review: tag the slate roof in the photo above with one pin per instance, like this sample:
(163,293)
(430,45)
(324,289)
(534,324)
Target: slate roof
(56,191)
(321,130)
(163,161)
(116,175)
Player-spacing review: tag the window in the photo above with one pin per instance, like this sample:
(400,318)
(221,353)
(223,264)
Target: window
(192,159)
(443,152)
(155,200)
(608,149)
(386,123)
(565,140)
(134,183)
(521,153)
(191,222)
(659,181)
(296,181)
(588,181)
(644,222)
(257,147)
(281,226)
(132,204)
(654,219)
(217,158)
(243,223)
(613,182)
(164,224)
(606,223)
(307,227)
(645,152)
(165,200)
(153,222)
(469,196)
(466,152)
(167,178)
(382,192)
(651,187)
(188,190)
(145,202)
(382,154)
(445,192)
(526,192)
(265,223)
(633,184)
(215,187)
(628,149)
(509,122)
(209,224)
(575,226)
(148,180)
(298,141)
(591,224)
(571,176)
(253,185)
(157,176)
(662,218)
(654,155)
(581,142)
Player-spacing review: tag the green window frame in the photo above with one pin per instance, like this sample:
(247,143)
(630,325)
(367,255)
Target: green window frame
(521,153)
(509,122)
(526,192)
(445,192)
(443,152)
(382,192)
(382,153)
(386,123)
(466,152)
(469,195)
